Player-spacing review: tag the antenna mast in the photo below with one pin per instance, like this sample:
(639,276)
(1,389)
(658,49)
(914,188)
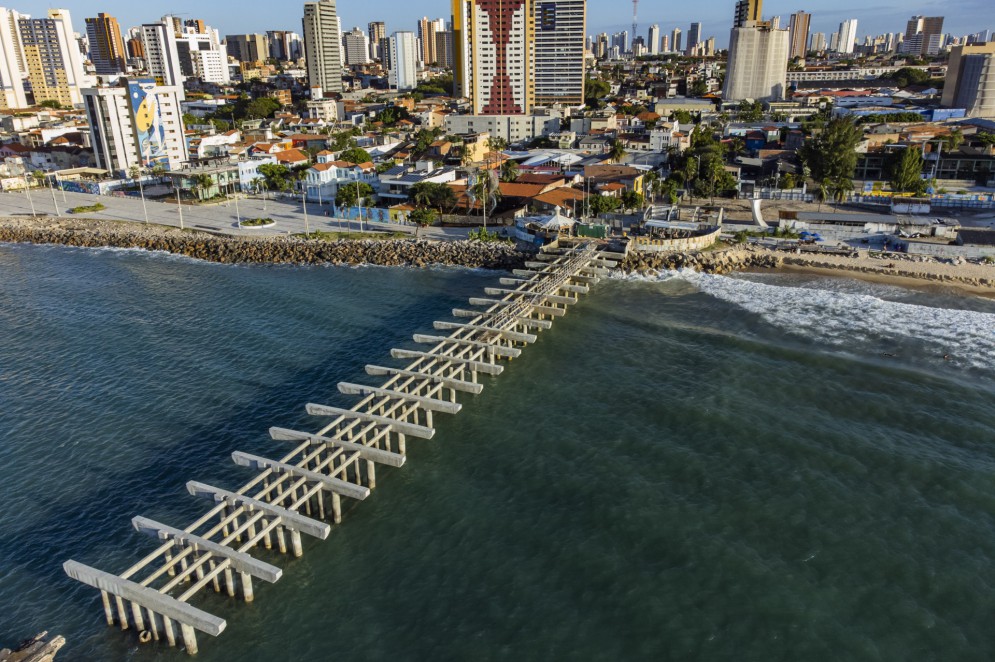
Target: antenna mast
(635,20)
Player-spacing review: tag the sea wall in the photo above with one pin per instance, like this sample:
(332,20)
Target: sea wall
(238,250)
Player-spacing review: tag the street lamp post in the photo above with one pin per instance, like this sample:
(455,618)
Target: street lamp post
(141,190)
(359,201)
(238,216)
(307,229)
(55,203)
(179,207)
(27,192)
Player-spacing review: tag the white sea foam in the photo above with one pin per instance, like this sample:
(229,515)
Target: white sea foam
(840,318)
(845,317)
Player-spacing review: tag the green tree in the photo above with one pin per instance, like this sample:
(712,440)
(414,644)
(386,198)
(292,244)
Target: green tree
(278,177)
(262,108)
(595,90)
(603,204)
(422,218)
(907,76)
(682,116)
(50,103)
(953,140)
(487,190)
(751,111)
(433,194)
(355,155)
(906,172)
(632,200)
(831,155)
(617,151)
(509,171)
(350,195)
(698,88)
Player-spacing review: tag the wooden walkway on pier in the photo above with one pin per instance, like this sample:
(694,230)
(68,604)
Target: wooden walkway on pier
(298,494)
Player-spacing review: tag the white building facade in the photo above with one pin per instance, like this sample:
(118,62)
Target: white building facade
(403,59)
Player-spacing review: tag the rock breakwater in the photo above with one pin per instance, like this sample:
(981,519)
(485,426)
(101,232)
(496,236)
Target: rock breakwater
(713,262)
(275,250)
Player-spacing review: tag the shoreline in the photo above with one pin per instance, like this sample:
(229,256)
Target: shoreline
(978,279)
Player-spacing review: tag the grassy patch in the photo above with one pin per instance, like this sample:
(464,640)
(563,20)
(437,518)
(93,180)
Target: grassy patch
(257,222)
(88,208)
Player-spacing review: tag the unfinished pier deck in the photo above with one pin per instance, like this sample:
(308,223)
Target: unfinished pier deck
(300,493)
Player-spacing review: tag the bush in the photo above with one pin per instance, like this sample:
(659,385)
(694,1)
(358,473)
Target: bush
(86,209)
(257,222)
(481,234)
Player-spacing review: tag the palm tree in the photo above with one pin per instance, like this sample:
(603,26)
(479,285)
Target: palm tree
(617,151)
(509,171)
(486,189)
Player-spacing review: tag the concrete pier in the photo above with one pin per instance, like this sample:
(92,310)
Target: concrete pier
(303,485)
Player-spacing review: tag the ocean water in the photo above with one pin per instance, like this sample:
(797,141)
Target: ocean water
(758,467)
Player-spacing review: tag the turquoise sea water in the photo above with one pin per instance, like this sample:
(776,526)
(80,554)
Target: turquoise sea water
(763,467)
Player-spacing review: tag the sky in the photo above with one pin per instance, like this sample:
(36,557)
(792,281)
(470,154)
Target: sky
(247,16)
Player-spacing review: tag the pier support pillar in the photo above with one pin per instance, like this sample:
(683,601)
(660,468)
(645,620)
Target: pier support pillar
(371,474)
(154,624)
(189,638)
(108,612)
(121,613)
(281,540)
(336,508)
(136,612)
(295,542)
(229,582)
(246,586)
(167,625)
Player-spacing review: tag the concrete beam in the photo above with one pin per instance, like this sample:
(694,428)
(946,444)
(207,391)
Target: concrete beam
(290,519)
(431,404)
(411,429)
(552,298)
(448,382)
(588,280)
(240,561)
(524,321)
(536,265)
(497,350)
(542,310)
(516,336)
(151,599)
(529,272)
(611,256)
(472,364)
(333,485)
(365,452)
(595,271)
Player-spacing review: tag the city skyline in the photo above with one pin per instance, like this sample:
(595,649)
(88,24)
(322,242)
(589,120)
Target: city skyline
(603,16)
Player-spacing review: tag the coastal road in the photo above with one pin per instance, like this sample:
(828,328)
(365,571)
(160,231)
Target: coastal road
(219,218)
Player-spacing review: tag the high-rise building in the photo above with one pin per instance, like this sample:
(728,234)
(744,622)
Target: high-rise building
(747,10)
(322,46)
(162,58)
(675,40)
(403,59)
(494,46)
(654,39)
(818,43)
(970,82)
(931,30)
(284,45)
(136,123)
(377,32)
(200,53)
(247,47)
(356,45)
(665,44)
(758,63)
(52,58)
(444,48)
(135,47)
(798,34)
(847,36)
(694,38)
(426,37)
(12,67)
(106,46)
(558,67)
(196,25)
(775,23)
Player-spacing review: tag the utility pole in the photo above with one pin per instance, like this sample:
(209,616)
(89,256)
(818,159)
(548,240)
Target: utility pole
(179,207)
(27,192)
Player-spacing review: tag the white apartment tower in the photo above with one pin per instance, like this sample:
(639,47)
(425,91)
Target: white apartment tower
(758,63)
(654,37)
(356,46)
(322,46)
(162,57)
(12,67)
(847,36)
(403,59)
(136,123)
